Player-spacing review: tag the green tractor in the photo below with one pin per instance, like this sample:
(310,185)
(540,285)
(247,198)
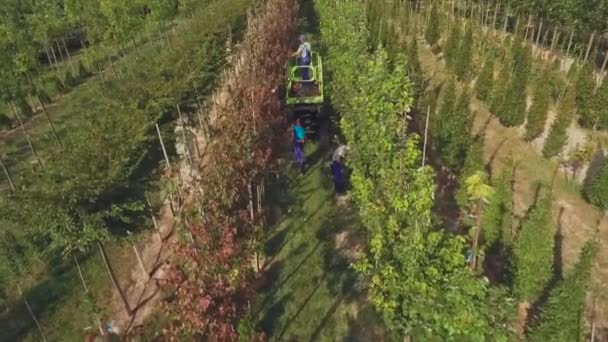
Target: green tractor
(305,97)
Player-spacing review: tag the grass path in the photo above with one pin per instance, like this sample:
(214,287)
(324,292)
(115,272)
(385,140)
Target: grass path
(311,292)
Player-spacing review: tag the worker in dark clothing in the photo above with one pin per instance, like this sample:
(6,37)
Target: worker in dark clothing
(299,137)
(338,168)
(337,172)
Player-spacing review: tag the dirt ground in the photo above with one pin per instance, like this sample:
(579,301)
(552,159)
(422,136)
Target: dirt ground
(576,221)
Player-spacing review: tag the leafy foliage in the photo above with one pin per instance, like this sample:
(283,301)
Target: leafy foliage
(533,252)
(514,108)
(485,82)
(558,134)
(538,112)
(212,280)
(417,276)
(585,86)
(465,54)
(473,163)
(597,191)
(562,318)
(496,221)
(433,30)
(500,90)
(452,47)
(452,126)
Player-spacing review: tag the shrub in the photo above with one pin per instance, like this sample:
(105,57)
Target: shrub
(485,82)
(562,318)
(496,223)
(452,46)
(538,111)
(474,162)
(597,191)
(533,252)
(500,90)
(433,30)
(558,134)
(585,86)
(463,59)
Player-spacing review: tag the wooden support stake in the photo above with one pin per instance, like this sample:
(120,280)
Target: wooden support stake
(162,145)
(27,134)
(29,308)
(84,284)
(184,138)
(589,46)
(426,129)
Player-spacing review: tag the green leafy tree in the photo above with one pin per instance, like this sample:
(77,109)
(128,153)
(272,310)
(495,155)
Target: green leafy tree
(452,47)
(500,90)
(597,191)
(452,127)
(558,135)
(485,82)
(533,252)
(599,107)
(474,162)
(514,106)
(562,318)
(465,53)
(433,29)
(585,86)
(413,63)
(497,218)
(538,111)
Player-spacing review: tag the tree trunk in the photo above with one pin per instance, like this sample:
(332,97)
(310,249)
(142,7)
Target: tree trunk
(27,134)
(504,27)
(48,119)
(54,55)
(60,51)
(123,297)
(554,38)
(103,80)
(603,69)
(527,27)
(589,46)
(540,30)
(84,284)
(476,236)
(8,175)
(48,56)
(496,9)
(67,53)
(29,308)
(570,42)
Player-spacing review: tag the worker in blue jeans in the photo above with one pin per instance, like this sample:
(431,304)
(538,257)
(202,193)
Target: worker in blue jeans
(304,57)
(299,137)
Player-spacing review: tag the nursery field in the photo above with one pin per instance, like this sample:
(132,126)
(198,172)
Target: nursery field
(148,193)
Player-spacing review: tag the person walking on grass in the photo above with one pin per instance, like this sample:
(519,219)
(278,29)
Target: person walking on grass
(337,168)
(299,137)
(304,57)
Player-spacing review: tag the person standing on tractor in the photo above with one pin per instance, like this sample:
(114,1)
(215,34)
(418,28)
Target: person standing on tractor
(304,57)
(299,137)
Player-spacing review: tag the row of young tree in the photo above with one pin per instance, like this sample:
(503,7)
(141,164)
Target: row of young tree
(523,77)
(218,257)
(38,39)
(91,187)
(420,277)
